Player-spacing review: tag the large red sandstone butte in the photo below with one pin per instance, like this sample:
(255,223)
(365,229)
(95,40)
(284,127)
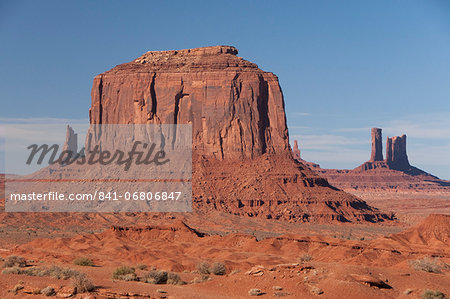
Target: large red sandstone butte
(242,162)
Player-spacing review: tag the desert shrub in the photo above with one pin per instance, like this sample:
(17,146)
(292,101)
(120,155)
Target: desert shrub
(173,278)
(157,277)
(203,268)
(124,273)
(429,294)
(48,291)
(13,260)
(218,268)
(32,271)
(83,261)
(12,270)
(59,273)
(426,264)
(305,258)
(82,284)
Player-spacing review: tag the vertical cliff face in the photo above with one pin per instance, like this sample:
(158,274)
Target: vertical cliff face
(236,109)
(388,149)
(377,145)
(396,147)
(242,163)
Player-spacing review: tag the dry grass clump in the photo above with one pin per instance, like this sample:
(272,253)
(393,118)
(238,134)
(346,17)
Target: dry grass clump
(13,260)
(156,277)
(82,284)
(203,268)
(429,294)
(162,277)
(216,268)
(124,273)
(427,264)
(59,273)
(305,258)
(80,281)
(54,271)
(83,261)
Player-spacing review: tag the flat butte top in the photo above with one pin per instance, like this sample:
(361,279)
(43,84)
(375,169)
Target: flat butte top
(214,58)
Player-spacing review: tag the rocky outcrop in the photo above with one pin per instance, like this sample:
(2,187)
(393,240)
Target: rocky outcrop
(296,151)
(377,145)
(396,156)
(242,163)
(71,143)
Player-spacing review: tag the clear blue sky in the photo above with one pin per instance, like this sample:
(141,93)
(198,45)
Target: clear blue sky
(344,66)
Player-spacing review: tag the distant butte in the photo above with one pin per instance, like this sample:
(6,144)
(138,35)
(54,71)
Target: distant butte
(393,173)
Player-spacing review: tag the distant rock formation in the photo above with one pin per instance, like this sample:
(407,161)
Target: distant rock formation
(297,157)
(71,143)
(242,163)
(396,156)
(394,173)
(377,145)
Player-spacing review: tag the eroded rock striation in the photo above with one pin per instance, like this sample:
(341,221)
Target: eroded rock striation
(242,163)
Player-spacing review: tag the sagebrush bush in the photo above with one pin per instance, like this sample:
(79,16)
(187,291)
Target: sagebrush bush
(427,264)
(124,273)
(83,261)
(429,294)
(305,258)
(203,268)
(218,268)
(82,284)
(156,277)
(173,278)
(13,260)
(60,273)
(12,270)
(54,271)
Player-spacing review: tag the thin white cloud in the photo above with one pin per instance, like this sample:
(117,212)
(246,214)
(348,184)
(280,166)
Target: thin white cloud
(302,113)
(42,120)
(326,141)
